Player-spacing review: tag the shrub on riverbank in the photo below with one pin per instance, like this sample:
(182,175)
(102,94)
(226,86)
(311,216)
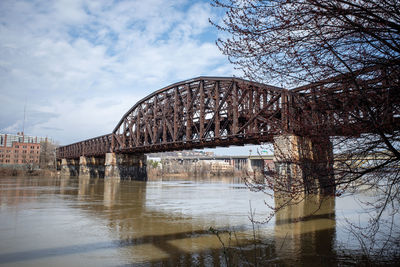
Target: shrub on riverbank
(24,171)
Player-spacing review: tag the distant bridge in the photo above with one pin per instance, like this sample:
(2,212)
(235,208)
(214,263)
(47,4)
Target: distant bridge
(219,111)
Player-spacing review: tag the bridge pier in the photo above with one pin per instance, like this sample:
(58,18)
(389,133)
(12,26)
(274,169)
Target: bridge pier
(69,167)
(91,167)
(125,166)
(304,164)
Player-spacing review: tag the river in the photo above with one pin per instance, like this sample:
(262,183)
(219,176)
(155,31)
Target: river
(92,222)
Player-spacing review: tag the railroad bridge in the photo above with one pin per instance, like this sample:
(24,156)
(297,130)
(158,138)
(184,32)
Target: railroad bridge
(219,111)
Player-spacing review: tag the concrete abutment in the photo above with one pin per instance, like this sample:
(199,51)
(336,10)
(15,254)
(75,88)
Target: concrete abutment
(126,166)
(112,166)
(69,167)
(91,167)
(304,165)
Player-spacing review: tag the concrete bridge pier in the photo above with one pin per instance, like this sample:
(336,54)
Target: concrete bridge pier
(304,165)
(69,167)
(125,166)
(91,167)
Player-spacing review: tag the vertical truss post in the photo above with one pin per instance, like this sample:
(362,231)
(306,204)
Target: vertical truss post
(164,121)
(176,114)
(188,113)
(138,126)
(202,113)
(124,135)
(284,110)
(216,111)
(145,127)
(314,113)
(155,117)
(256,108)
(235,108)
(251,109)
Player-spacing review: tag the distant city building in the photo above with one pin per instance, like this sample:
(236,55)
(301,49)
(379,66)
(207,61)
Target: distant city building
(20,149)
(183,153)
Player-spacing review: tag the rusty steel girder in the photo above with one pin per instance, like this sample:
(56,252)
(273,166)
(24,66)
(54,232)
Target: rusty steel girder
(201,112)
(216,111)
(97,146)
(347,106)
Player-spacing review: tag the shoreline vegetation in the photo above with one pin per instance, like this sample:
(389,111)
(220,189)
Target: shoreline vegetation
(20,171)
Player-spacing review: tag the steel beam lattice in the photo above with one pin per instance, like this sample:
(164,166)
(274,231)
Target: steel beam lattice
(217,111)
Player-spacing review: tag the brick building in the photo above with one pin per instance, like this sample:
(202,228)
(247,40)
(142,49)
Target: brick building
(20,149)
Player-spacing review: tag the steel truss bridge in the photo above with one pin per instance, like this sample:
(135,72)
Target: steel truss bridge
(219,111)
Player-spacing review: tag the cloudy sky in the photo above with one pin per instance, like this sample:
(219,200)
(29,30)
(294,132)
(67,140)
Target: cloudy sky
(79,65)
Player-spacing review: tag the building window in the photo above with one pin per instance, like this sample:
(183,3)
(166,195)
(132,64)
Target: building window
(23,146)
(16,151)
(24,151)
(17,146)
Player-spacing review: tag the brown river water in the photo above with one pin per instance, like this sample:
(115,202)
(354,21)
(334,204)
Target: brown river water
(81,222)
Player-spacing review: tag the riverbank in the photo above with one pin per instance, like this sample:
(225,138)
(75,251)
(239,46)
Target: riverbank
(22,171)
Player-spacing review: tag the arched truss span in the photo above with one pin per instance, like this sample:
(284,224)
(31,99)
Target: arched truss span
(218,111)
(201,112)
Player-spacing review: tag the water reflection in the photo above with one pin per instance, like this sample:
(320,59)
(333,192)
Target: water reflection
(199,179)
(84,187)
(305,228)
(111,191)
(111,222)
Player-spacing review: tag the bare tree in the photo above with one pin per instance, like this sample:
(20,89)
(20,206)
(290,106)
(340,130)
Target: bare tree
(309,40)
(341,57)
(47,158)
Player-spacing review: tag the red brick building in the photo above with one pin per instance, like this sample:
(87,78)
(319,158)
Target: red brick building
(20,149)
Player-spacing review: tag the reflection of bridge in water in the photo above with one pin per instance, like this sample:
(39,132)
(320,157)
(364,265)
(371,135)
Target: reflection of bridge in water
(216,111)
(143,233)
(301,231)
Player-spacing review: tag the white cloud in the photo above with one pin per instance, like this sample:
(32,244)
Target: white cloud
(81,64)
(13,128)
(76,120)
